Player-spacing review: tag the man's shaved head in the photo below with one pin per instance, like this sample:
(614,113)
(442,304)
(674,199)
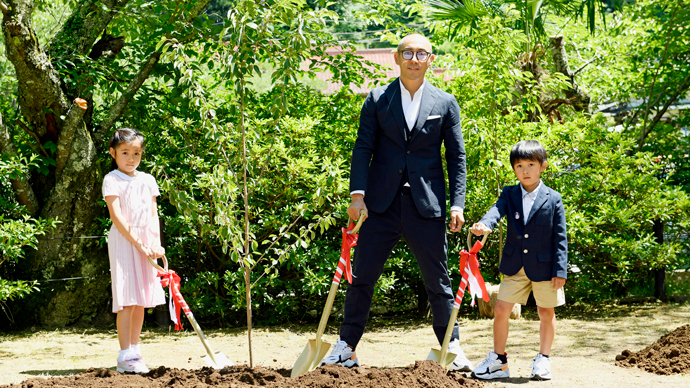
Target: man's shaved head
(415,37)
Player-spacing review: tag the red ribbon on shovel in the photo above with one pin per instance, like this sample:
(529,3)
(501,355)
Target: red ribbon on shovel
(469,265)
(172,280)
(349,241)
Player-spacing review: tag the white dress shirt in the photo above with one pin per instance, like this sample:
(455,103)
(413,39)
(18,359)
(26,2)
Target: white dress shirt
(411,105)
(528,200)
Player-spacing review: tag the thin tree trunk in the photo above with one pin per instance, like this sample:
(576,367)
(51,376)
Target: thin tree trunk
(246,265)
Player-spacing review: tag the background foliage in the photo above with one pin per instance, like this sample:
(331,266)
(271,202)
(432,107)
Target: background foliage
(618,176)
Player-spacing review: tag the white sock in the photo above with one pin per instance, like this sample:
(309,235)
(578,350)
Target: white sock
(121,354)
(136,349)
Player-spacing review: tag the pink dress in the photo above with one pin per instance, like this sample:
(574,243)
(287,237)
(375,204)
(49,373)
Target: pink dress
(134,280)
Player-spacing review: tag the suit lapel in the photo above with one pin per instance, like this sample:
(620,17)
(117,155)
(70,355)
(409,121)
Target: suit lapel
(540,201)
(395,105)
(429,96)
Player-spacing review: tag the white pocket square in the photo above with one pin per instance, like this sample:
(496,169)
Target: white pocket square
(433,117)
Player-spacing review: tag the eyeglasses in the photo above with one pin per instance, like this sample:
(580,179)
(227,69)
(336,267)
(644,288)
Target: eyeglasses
(422,56)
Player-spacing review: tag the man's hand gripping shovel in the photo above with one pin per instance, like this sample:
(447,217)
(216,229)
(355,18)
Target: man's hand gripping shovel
(472,279)
(170,279)
(316,349)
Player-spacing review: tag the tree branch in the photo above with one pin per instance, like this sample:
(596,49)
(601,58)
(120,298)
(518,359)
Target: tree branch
(4,8)
(579,69)
(35,136)
(197,9)
(39,83)
(92,17)
(685,86)
(560,59)
(644,132)
(22,189)
(69,126)
(119,107)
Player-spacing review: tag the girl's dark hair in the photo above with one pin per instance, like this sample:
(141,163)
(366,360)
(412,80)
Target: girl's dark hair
(124,135)
(527,150)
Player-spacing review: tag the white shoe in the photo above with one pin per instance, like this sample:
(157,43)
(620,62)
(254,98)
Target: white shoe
(491,368)
(461,363)
(342,354)
(541,368)
(129,361)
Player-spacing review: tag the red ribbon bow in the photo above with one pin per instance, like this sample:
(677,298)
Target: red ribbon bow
(344,266)
(469,263)
(172,280)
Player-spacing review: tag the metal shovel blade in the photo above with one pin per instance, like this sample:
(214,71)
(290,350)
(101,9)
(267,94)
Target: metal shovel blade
(310,358)
(435,354)
(218,361)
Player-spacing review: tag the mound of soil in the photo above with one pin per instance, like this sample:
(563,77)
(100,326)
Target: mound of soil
(669,355)
(423,374)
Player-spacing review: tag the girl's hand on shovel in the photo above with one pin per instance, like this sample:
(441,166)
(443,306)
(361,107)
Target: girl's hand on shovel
(356,206)
(158,251)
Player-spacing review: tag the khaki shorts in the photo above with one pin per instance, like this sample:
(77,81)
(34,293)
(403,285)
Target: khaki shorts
(516,288)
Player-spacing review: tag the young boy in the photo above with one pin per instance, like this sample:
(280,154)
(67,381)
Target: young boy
(534,258)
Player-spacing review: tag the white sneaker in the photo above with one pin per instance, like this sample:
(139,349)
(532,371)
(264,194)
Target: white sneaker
(461,363)
(491,368)
(129,361)
(342,354)
(541,368)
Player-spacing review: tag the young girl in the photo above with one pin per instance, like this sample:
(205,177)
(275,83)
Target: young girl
(131,198)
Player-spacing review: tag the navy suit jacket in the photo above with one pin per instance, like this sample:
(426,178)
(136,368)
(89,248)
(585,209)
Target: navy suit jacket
(382,152)
(540,245)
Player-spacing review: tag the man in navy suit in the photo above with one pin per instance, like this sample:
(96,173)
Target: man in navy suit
(535,258)
(397,180)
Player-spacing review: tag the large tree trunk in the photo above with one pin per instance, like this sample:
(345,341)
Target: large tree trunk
(560,59)
(71,192)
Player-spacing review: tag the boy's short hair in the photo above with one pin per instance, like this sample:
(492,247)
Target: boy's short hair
(527,150)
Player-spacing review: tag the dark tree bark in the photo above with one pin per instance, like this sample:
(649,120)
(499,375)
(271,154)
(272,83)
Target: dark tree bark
(659,273)
(560,59)
(71,192)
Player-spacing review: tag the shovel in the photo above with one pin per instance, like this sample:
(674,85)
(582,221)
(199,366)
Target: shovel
(316,349)
(217,360)
(443,357)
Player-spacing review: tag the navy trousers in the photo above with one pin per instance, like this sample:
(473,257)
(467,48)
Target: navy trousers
(426,238)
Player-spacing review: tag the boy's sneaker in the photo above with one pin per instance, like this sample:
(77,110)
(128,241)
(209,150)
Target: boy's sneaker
(541,368)
(342,354)
(491,368)
(129,361)
(461,363)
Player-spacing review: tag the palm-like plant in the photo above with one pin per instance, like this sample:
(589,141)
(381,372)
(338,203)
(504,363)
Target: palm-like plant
(533,14)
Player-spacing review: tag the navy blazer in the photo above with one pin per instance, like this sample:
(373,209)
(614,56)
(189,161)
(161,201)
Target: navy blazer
(381,151)
(540,245)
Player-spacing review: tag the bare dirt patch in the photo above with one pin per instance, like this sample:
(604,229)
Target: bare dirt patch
(587,342)
(669,355)
(423,374)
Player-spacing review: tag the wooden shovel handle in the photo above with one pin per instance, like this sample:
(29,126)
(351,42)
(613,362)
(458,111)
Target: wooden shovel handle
(469,239)
(359,223)
(164,268)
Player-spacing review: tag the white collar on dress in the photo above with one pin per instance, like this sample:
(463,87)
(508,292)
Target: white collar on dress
(125,176)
